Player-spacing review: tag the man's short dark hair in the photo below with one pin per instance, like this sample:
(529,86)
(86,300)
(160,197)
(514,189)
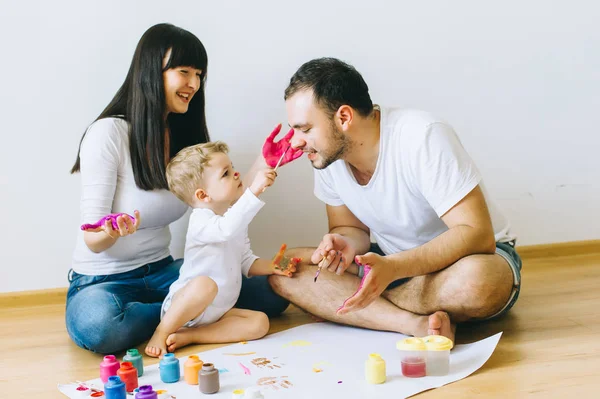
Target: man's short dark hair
(334,83)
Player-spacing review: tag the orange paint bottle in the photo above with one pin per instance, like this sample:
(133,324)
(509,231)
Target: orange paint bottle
(128,375)
(191,367)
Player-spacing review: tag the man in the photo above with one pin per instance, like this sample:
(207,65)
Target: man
(443,252)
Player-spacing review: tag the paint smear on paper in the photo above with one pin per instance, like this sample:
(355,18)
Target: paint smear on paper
(221,371)
(318,367)
(240,354)
(246,369)
(298,343)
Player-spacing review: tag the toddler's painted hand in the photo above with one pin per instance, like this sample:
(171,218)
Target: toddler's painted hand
(282,265)
(264,178)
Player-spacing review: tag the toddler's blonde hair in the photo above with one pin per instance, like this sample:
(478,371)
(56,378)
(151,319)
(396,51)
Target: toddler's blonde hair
(185,170)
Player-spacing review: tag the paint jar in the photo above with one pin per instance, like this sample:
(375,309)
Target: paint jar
(413,357)
(135,358)
(169,368)
(208,379)
(146,392)
(438,354)
(237,394)
(128,375)
(82,392)
(115,388)
(191,368)
(108,367)
(253,393)
(375,369)
(163,394)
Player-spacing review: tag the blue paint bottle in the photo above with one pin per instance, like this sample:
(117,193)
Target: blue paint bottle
(135,358)
(169,368)
(115,388)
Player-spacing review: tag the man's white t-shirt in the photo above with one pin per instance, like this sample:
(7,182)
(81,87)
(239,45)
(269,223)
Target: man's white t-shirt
(422,172)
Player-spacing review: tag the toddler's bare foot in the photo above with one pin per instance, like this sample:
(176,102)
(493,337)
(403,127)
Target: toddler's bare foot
(179,339)
(157,345)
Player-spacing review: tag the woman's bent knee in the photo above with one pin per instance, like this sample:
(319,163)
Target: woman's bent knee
(95,322)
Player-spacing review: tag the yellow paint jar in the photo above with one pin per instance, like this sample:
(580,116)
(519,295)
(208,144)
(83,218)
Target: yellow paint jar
(375,369)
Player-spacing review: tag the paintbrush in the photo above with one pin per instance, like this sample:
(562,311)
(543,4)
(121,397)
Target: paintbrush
(281,159)
(278,163)
(319,267)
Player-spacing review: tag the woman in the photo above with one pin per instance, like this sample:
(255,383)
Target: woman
(120,277)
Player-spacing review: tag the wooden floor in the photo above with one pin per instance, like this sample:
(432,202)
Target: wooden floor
(550,347)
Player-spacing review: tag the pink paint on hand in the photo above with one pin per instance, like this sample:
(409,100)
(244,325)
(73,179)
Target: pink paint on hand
(366,273)
(276,152)
(113,219)
(246,369)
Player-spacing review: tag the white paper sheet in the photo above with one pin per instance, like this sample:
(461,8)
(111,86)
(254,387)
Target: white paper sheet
(340,352)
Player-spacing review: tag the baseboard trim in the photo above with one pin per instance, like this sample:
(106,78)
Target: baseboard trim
(17,299)
(56,296)
(559,249)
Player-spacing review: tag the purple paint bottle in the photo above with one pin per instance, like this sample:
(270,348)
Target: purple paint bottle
(146,392)
(109,367)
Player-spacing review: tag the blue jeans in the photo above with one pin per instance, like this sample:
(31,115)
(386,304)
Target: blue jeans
(109,314)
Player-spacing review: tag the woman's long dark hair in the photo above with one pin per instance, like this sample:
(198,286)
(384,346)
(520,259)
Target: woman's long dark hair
(141,102)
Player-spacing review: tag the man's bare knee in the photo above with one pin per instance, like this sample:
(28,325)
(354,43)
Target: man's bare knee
(481,285)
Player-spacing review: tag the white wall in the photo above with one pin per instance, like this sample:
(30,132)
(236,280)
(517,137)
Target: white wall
(518,80)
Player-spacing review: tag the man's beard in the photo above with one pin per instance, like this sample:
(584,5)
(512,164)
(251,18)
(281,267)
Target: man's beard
(340,144)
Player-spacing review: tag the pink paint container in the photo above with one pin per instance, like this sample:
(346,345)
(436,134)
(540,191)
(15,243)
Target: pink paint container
(109,367)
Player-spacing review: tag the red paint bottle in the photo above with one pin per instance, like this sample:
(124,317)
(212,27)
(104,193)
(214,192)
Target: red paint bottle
(128,375)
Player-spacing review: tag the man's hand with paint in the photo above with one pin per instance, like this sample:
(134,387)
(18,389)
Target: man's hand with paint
(272,151)
(338,253)
(380,274)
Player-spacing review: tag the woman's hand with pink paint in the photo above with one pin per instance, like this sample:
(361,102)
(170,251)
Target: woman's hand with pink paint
(272,150)
(115,225)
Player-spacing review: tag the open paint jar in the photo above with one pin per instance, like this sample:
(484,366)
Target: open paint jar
(438,354)
(413,357)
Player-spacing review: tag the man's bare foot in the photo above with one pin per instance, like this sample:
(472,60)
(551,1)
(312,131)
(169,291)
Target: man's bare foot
(439,324)
(183,337)
(435,324)
(312,316)
(316,319)
(157,345)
